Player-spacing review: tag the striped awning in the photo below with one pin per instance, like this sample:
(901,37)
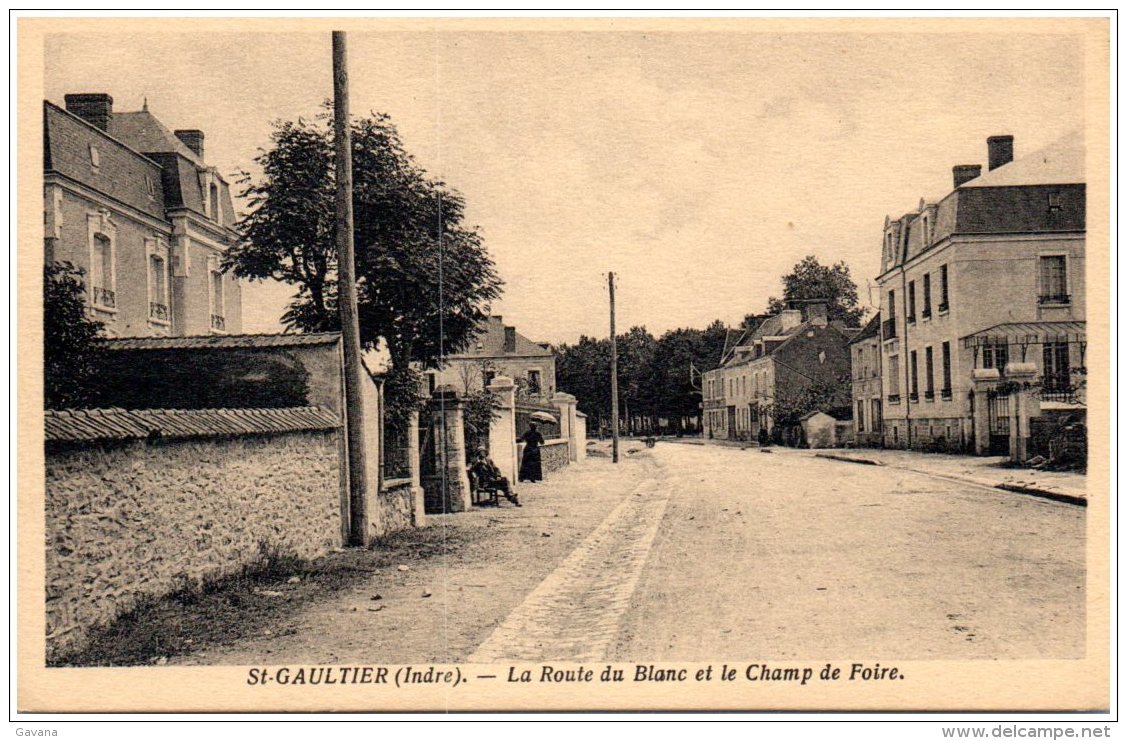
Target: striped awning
(1028,333)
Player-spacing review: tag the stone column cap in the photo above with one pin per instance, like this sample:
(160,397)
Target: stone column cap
(561,396)
(1021,369)
(446,393)
(985,374)
(501,383)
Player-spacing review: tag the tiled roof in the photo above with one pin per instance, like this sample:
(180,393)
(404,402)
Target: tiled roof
(142,131)
(89,425)
(490,343)
(872,329)
(197,342)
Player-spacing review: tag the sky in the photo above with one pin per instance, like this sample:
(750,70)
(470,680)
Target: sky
(699,166)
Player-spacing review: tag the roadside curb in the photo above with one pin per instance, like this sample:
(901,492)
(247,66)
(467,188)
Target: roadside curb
(1032,491)
(848,459)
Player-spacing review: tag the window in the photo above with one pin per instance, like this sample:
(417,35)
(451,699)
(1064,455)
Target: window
(946,370)
(943,296)
(927,296)
(860,416)
(995,355)
(875,417)
(1055,366)
(911,301)
(1054,202)
(929,374)
(487,377)
(158,288)
(534,382)
(894,379)
(101,273)
(218,320)
(892,305)
(1054,280)
(914,380)
(213,201)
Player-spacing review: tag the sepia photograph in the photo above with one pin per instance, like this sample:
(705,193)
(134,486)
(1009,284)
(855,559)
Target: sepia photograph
(569,364)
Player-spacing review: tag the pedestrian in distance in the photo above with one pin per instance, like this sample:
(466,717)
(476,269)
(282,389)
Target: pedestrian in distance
(530,468)
(764,438)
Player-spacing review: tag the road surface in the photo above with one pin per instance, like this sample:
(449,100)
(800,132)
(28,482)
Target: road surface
(746,554)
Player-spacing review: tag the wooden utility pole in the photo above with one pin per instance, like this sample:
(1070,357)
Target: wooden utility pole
(349,323)
(613,375)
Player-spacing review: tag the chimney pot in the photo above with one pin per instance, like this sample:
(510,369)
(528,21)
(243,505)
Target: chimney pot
(965,173)
(1000,151)
(193,140)
(95,109)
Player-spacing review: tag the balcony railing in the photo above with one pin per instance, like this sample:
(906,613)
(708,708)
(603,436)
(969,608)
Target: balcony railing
(929,396)
(944,307)
(217,322)
(105,297)
(914,396)
(945,394)
(1054,298)
(925,314)
(889,328)
(894,398)
(911,319)
(158,311)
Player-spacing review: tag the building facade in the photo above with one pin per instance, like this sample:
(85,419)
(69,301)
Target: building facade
(785,356)
(991,277)
(865,374)
(499,350)
(136,207)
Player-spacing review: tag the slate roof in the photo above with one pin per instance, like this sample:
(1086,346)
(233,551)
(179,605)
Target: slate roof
(142,131)
(490,343)
(91,425)
(872,329)
(197,342)
(1059,163)
(121,172)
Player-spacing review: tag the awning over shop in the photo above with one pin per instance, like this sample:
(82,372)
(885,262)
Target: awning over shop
(1028,333)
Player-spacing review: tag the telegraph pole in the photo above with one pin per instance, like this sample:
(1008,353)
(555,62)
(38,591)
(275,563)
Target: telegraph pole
(613,375)
(349,323)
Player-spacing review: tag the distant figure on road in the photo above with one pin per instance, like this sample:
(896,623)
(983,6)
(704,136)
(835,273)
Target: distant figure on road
(530,469)
(489,479)
(764,439)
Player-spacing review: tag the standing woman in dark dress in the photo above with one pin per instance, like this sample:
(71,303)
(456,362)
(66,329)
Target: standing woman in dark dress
(530,469)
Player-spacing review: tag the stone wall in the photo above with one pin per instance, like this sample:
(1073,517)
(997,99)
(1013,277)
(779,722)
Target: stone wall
(395,506)
(553,455)
(140,519)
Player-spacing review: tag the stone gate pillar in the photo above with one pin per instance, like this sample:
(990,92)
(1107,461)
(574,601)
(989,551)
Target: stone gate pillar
(985,379)
(566,404)
(1023,406)
(503,429)
(448,489)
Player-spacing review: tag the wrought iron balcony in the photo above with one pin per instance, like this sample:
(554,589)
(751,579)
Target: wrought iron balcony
(105,297)
(911,319)
(894,398)
(1054,298)
(929,396)
(945,394)
(217,322)
(159,311)
(944,307)
(925,314)
(889,328)
(914,396)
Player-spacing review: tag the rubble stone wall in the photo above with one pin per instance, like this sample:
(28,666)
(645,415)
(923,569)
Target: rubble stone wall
(553,455)
(127,521)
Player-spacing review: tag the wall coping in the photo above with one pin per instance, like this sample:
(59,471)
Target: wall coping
(91,425)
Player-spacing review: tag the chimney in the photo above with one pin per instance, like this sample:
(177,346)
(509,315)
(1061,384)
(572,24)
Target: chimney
(816,314)
(510,339)
(95,109)
(789,319)
(1000,150)
(965,173)
(192,138)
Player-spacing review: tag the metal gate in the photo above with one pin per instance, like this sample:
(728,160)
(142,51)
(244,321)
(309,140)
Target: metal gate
(998,421)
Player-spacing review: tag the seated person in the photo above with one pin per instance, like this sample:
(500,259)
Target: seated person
(489,477)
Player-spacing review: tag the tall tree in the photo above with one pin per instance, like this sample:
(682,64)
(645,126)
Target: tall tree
(810,280)
(70,338)
(409,239)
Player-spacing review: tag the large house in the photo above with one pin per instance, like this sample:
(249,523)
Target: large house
(499,350)
(769,369)
(140,211)
(988,276)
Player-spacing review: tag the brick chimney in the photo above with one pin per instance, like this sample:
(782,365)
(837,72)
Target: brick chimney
(192,138)
(1000,151)
(789,319)
(95,109)
(510,339)
(817,313)
(965,173)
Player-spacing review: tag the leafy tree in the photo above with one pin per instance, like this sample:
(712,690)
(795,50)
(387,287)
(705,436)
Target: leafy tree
(408,234)
(70,339)
(809,279)
(583,370)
